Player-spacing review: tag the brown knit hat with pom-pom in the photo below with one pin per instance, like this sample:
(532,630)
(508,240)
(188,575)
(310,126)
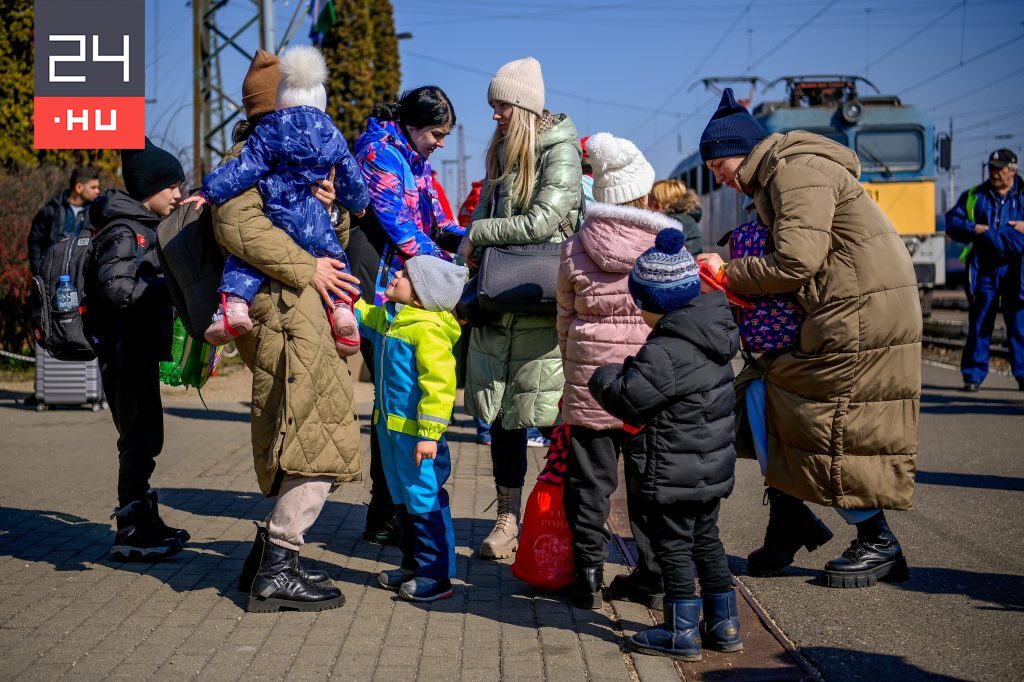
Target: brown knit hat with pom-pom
(260,85)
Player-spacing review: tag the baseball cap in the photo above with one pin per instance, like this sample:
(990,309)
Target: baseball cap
(1001,158)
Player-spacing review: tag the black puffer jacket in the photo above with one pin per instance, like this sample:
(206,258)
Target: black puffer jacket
(679,387)
(128,307)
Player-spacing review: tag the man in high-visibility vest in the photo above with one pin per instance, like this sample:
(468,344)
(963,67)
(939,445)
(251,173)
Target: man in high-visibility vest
(989,218)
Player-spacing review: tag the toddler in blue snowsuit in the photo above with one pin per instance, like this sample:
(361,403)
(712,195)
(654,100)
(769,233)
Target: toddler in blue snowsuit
(290,150)
(414,395)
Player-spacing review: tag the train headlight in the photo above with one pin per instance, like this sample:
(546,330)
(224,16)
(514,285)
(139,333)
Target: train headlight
(851,111)
(913,245)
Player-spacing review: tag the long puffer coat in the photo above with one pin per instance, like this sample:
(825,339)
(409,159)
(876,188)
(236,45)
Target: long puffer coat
(598,322)
(679,388)
(843,408)
(515,366)
(303,413)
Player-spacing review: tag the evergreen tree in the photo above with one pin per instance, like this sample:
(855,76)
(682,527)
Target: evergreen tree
(387,72)
(362,57)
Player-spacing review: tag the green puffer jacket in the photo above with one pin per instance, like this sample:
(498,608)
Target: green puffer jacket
(515,367)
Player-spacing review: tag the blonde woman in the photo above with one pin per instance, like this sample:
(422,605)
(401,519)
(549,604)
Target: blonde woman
(674,199)
(532,195)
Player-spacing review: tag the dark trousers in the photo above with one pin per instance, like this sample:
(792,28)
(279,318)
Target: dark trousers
(592,478)
(997,288)
(381,507)
(685,535)
(508,455)
(132,389)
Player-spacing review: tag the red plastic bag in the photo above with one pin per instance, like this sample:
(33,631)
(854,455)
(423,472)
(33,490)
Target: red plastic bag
(544,560)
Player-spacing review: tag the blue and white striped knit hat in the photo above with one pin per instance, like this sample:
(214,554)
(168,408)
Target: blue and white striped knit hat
(664,278)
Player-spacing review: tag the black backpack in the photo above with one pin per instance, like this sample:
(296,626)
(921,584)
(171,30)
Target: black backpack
(62,333)
(192,264)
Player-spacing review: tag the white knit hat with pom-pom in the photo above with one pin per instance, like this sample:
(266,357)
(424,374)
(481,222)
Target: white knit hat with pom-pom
(303,74)
(621,173)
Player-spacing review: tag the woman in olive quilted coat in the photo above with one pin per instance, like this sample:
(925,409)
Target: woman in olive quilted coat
(305,433)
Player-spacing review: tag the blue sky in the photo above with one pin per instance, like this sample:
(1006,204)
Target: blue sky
(627,67)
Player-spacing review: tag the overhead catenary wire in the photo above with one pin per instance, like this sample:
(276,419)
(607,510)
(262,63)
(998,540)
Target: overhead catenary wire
(951,69)
(900,44)
(564,93)
(685,81)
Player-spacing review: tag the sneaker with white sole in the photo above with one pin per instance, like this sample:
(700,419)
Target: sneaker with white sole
(394,579)
(425,589)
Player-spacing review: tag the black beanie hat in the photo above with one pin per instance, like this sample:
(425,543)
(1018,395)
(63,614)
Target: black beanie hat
(149,170)
(732,131)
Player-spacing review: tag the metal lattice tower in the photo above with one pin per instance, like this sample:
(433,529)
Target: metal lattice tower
(214,111)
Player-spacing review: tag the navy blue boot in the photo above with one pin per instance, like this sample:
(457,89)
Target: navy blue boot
(720,629)
(677,638)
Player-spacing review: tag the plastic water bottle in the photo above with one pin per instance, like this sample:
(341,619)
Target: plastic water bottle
(66,298)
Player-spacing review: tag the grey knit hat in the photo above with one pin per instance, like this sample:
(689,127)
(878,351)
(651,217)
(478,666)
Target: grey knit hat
(519,83)
(438,284)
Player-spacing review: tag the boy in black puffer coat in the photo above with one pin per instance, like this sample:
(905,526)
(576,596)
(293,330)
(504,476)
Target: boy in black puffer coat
(129,319)
(677,393)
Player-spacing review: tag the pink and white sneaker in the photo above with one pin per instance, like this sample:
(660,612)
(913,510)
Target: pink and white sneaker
(229,322)
(344,328)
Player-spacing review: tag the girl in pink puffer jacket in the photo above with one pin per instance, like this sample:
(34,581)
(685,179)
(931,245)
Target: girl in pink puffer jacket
(599,324)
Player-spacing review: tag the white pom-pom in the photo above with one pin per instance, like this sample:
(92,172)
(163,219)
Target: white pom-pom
(608,152)
(303,68)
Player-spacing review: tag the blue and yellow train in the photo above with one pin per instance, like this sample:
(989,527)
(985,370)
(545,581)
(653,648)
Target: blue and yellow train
(893,140)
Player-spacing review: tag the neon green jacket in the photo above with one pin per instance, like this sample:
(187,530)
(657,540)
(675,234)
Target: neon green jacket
(414,369)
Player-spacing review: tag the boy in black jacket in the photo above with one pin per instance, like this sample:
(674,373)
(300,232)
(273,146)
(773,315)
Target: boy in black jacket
(677,392)
(129,318)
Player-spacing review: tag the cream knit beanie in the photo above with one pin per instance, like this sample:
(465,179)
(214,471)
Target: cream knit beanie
(303,74)
(519,83)
(621,173)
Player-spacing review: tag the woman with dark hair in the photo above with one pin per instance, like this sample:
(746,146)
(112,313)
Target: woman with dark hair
(406,219)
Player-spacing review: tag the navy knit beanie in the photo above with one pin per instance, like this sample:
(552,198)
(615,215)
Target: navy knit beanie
(149,170)
(664,278)
(732,131)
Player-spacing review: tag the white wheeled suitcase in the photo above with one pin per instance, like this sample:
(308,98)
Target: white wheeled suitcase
(61,382)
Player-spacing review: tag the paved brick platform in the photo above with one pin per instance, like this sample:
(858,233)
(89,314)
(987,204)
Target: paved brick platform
(67,610)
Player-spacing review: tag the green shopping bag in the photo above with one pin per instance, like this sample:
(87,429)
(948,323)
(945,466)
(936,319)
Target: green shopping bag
(192,362)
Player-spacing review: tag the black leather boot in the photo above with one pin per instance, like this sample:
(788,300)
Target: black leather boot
(158,523)
(139,537)
(252,563)
(277,587)
(585,592)
(875,555)
(633,587)
(791,525)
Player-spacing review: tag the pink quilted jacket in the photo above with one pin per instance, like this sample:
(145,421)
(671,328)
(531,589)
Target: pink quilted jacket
(598,323)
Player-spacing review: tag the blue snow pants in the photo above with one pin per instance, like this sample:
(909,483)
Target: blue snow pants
(422,501)
(998,287)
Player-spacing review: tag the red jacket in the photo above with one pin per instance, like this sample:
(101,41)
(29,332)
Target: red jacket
(469,205)
(442,197)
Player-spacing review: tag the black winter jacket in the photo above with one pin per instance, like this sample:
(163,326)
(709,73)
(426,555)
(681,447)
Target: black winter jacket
(128,307)
(679,388)
(48,228)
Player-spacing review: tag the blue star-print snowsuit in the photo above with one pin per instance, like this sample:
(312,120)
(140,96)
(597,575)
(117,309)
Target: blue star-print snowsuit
(289,151)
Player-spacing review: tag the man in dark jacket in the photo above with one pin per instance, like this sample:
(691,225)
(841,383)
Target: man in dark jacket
(63,216)
(129,318)
(990,218)
(677,391)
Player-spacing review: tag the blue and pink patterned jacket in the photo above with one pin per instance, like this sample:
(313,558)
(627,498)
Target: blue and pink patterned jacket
(403,198)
